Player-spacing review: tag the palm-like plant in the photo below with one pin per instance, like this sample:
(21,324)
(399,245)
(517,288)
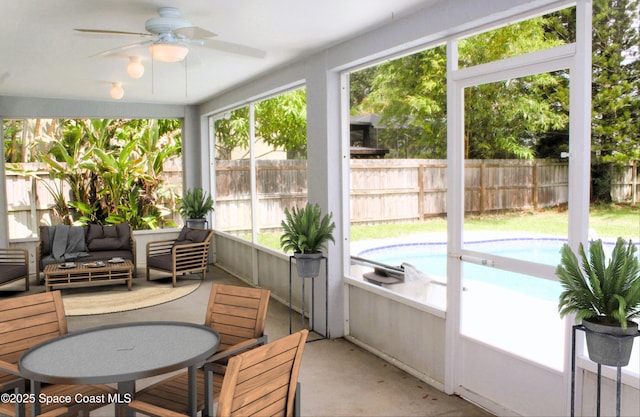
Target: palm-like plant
(306,230)
(607,293)
(196,204)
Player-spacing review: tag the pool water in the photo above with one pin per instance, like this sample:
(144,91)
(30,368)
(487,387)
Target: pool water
(430,258)
(489,293)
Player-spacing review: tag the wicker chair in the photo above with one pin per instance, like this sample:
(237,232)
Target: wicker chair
(14,266)
(187,254)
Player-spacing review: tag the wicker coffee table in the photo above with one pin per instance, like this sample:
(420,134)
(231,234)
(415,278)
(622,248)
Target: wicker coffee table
(88,274)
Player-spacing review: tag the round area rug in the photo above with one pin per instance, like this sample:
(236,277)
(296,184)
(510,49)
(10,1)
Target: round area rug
(115,298)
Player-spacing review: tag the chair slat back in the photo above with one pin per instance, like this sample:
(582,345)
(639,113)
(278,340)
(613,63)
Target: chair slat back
(262,381)
(237,313)
(26,321)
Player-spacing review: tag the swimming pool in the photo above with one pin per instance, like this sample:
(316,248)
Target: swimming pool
(491,291)
(430,258)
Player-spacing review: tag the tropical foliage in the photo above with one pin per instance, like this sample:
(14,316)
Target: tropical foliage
(306,230)
(112,169)
(594,289)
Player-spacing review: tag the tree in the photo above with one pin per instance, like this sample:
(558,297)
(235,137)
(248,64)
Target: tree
(615,125)
(231,133)
(616,80)
(410,95)
(280,121)
(409,92)
(615,89)
(616,76)
(502,119)
(360,85)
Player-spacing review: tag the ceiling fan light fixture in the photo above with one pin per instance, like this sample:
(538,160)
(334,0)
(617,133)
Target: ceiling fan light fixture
(168,52)
(116,92)
(135,69)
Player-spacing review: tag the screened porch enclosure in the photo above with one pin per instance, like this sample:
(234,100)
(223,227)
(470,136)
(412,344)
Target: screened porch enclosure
(437,342)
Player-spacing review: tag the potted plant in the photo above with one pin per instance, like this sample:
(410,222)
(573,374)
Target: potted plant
(194,207)
(306,232)
(604,296)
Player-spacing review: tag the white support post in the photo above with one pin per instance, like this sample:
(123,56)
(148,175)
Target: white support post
(254,193)
(455,216)
(4,222)
(325,174)
(579,162)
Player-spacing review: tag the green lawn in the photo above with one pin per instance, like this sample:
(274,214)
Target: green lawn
(608,221)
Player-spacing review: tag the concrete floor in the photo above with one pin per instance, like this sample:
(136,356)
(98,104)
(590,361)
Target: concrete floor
(337,377)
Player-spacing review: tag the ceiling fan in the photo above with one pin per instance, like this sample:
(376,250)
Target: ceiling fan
(170,36)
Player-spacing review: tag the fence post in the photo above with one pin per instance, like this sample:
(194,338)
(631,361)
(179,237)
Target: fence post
(534,197)
(33,201)
(482,187)
(421,214)
(634,182)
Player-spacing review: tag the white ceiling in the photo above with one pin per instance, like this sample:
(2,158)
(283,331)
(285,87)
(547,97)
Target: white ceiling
(42,56)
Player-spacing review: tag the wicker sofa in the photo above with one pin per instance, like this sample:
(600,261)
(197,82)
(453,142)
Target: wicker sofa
(98,243)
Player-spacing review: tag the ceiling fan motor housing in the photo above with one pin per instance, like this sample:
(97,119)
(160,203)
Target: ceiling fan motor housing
(168,21)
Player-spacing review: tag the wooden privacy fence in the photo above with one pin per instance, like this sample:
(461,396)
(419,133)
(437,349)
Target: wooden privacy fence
(624,183)
(388,190)
(382,190)
(279,184)
(401,190)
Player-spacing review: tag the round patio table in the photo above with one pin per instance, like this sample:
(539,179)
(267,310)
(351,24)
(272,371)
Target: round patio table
(121,354)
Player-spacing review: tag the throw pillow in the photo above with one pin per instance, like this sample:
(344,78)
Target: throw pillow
(188,235)
(108,237)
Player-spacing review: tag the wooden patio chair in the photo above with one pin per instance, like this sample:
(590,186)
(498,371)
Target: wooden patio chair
(14,265)
(24,322)
(187,254)
(260,382)
(239,315)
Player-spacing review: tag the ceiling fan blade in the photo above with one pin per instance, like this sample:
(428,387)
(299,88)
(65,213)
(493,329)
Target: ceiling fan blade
(112,32)
(194,32)
(120,49)
(234,48)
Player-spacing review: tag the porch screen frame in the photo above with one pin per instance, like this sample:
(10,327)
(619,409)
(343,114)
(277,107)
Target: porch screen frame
(575,57)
